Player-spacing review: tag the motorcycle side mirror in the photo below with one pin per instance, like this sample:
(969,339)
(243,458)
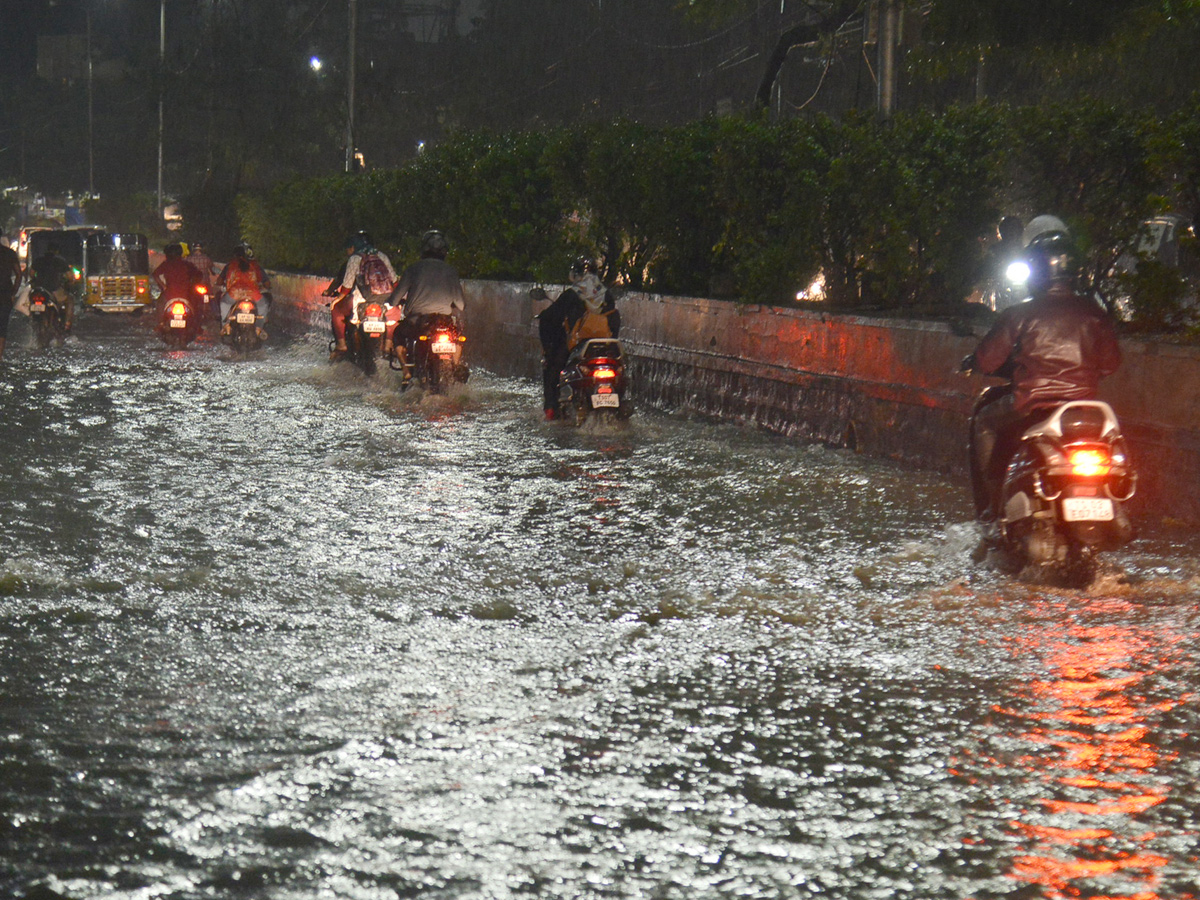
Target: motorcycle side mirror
(538,293)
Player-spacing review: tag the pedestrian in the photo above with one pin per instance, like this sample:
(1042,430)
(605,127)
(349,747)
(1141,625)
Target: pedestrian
(10,280)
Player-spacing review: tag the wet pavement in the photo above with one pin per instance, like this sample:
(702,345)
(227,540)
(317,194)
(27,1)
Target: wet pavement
(269,629)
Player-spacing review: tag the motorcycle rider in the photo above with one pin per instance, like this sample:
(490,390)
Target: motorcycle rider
(1054,348)
(429,287)
(199,260)
(50,272)
(353,287)
(10,280)
(244,279)
(585,310)
(1000,255)
(176,279)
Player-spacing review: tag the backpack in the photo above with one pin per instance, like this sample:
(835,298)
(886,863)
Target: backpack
(373,274)
(242,284)
(590,325)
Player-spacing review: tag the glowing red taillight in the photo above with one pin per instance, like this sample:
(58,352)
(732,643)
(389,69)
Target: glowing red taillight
(179,308)
(374,310)
(604,373)
(201,290)
(1089,463)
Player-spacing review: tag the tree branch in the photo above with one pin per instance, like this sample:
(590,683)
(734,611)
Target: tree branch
(798,36)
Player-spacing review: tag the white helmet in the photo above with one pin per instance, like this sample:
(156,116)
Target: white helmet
(1043,225)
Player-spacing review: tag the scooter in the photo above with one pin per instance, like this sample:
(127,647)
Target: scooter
(47,317)
(1064,492)
(364,336)
(243,333)
(179,322)
(593,383)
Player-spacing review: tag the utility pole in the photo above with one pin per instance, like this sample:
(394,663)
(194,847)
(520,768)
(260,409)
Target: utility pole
(350,78)
(91,106)
(162,74)
(889,38)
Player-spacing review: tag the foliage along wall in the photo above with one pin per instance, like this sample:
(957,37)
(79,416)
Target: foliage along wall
(894,215)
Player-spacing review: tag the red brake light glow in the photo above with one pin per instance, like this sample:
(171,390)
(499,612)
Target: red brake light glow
(179,308)
(604,373)
(1089,463)
(374,309)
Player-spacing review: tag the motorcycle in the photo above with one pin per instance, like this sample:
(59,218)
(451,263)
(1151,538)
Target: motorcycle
(47,316)
(243,332)
(1011,288)
(364,336)
(179,322)
(1064,490)
(594,382)
(434,359)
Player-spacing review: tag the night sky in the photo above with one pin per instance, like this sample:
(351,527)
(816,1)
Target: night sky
(21,21)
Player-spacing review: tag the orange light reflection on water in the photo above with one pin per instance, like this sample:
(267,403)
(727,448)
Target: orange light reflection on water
(1092,745)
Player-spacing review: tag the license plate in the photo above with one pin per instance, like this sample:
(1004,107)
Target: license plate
(178,323)
(1087,509)
(442,348)
(246,318)
(38,307)
(374,327)
(600,401)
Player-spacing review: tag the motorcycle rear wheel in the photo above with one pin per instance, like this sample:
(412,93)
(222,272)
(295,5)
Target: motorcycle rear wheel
(244,338)
(46,328)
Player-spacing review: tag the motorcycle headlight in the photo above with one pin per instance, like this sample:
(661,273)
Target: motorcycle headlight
(1017,272)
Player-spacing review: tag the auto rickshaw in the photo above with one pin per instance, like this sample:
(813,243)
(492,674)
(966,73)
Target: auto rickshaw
(117,268)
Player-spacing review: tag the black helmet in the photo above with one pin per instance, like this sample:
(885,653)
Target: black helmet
(434,243)
(1052,260)
(173,251)
(359,242)
(584,265)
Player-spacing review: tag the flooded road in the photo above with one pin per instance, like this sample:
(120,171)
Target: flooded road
(271,630)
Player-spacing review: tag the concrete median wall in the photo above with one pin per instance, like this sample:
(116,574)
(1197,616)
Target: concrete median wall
(885,387)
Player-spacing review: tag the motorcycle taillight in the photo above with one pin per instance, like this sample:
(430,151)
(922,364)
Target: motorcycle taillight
(373,310)
(201,290)
(604,373)
(1089,462)
(179,308)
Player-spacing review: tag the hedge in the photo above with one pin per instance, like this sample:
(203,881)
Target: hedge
(893,216)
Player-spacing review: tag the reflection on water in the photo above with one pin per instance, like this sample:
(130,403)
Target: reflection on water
(1089,751)
(272,630)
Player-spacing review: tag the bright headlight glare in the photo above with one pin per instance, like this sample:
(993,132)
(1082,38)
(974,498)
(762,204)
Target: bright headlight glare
(1018,272)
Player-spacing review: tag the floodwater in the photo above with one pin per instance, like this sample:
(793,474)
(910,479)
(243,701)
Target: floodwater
(271,630)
